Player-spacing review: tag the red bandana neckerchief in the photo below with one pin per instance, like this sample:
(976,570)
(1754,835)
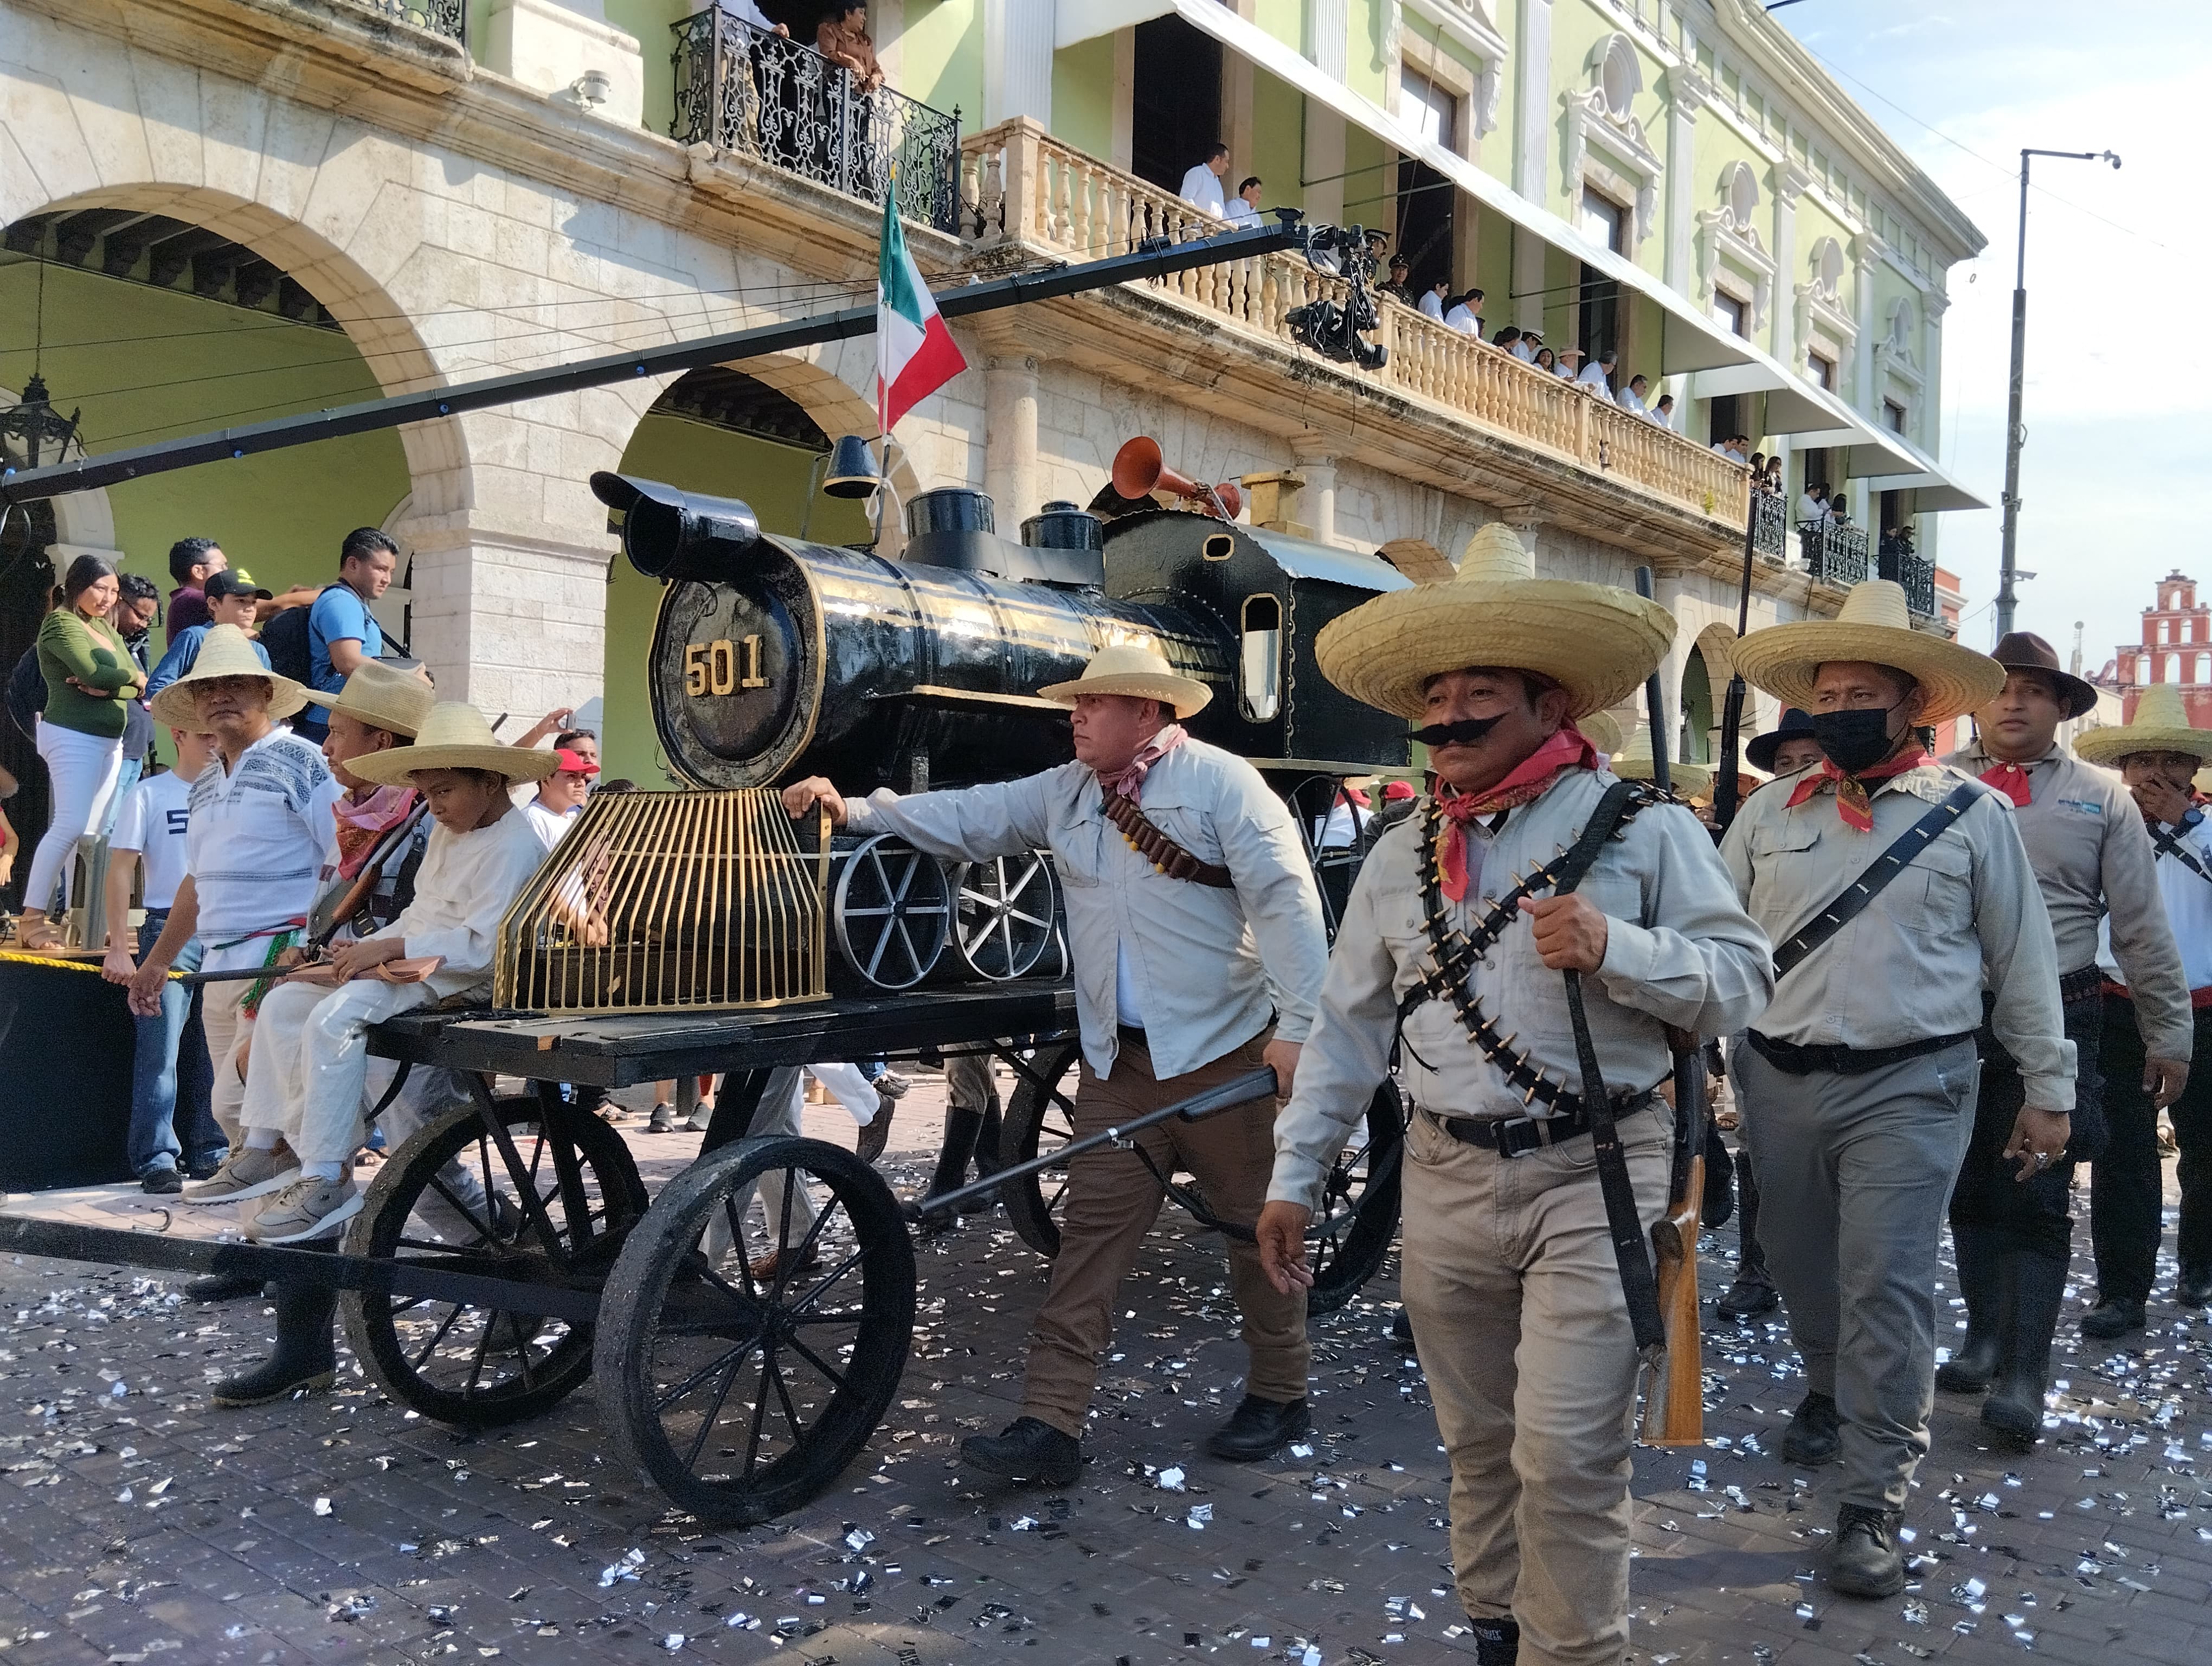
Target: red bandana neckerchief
(1129,782)
(2011,780)
(362,823)
(1853,803)
(1567,749)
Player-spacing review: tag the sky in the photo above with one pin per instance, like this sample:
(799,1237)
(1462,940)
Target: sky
(2119,409)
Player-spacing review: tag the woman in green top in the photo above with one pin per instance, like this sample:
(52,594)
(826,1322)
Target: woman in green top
(90,678)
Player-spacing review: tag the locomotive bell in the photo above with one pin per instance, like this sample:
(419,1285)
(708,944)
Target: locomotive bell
(852,471)
(672,534)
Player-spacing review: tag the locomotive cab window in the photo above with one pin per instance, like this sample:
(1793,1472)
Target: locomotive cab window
(1260,660)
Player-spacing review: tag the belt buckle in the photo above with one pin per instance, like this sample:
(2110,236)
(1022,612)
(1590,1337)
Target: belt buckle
(1542,1137)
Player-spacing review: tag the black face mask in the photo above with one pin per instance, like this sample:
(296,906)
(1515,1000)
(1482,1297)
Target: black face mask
(1855,740)
(1466,731)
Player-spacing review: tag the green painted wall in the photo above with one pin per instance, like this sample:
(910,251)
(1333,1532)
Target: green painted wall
(1493,264)
(1083,95)
(1286,20)
(1370,179)
(648,20)
(148,364)
(1279,138)
(773,478)
(941,58)
(1366,61)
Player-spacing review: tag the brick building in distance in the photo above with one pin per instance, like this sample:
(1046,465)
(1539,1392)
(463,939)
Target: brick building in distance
(2176,648)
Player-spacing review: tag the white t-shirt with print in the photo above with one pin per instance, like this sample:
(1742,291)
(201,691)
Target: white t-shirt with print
(152,822)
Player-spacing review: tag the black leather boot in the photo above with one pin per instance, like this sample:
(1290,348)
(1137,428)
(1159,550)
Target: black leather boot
(1027,1450)
(220,1287)
(2013,1411)
(1815,1433)
(1868,1560)
(2113,1317)
(1982,1282)
(2194,1287)
(1497,1642)
(1260,1428)
(1750,1296)
(1401,1329)
(305,1356)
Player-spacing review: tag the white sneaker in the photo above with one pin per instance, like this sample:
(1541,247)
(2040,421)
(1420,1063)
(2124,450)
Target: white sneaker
(310,1207)
(246,1173)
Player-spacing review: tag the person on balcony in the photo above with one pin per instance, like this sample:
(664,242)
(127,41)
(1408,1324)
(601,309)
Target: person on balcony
(1201,186)
(1398,287)
(1567,363)
(1544,362)
(1597,376)
(1507,340)
(1663,412)
(842,36)
(1463,318)
(1243,210)
(746,12)
(1632,397)
(1813,501)
(1525,348)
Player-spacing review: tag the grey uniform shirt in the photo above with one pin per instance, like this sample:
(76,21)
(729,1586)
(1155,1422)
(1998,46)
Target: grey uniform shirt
(2087,843)
(1207,963)
(1679,950)
(1911,965)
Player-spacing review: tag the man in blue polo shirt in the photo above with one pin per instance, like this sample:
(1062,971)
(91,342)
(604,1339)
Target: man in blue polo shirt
(341,633)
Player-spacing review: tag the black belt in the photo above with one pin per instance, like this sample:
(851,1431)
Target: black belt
(2080,983)
(1516,1136)
(1133,1034)
(1792,1060)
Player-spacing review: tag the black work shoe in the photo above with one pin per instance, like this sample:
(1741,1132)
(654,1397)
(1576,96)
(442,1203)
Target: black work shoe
(664,1120)
(2112,1317)
(1748,1297)
(1401,1328)
(1027,1450)
(878,1133)
(1867,1561)
(160,1182)
(1815,1434)
(1497,1642)
(1258,1428)
(2194,1287)
(220,1287)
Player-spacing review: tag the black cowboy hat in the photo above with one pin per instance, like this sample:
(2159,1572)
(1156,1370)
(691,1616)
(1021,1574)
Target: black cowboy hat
(2023,650)
(1761,749)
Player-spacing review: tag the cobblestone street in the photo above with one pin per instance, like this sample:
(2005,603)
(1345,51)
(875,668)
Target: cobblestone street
(139,1523)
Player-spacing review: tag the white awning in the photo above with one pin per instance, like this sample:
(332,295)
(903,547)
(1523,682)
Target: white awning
(1079,21)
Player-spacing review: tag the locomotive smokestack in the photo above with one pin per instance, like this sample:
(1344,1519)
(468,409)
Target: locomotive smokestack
(671,534)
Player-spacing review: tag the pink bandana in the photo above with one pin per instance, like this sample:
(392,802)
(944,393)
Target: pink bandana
(1129,783)
(362,824)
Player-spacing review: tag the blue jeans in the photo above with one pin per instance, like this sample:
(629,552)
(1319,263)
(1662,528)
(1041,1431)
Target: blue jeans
(171,1079)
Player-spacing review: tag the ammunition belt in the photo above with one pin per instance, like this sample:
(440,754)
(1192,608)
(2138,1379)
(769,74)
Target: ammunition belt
(1162,852)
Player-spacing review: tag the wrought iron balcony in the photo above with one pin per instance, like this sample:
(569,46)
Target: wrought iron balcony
(447,17)
(1833,554)
(775,100)
(1770,533)
(1896,561)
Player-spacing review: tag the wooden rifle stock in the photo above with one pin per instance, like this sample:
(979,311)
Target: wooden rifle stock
(1674,1397)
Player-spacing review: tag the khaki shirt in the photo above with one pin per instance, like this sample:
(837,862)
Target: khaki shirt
(1207,963)
(2086,841)
(1679,950)
(1911,965)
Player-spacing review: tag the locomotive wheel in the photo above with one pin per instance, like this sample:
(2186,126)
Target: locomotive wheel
(456,1362)
(890,911)
(742,1397)
(1346,1240)
(1006,916)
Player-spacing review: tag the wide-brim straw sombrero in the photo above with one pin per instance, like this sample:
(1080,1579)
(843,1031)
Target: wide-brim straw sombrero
(1137,669)
(2160,725)
(382,696)
(1602,731)
(1634,763)
(1874,628)
(453,736)
(1597,642)
(226,651)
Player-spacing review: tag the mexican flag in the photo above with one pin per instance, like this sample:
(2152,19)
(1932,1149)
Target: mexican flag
(915,354)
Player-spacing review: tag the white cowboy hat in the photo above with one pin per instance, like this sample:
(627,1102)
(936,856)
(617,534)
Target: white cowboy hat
(382,697)
(454,737)
(1597,642)
(1132,668)
(1874,627)
(226,651)
(2160,725)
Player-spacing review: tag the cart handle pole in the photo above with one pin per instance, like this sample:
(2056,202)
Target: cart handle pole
(1238,1091)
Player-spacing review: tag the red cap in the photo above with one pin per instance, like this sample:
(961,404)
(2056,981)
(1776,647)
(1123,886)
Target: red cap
(1397,789)
(574,763)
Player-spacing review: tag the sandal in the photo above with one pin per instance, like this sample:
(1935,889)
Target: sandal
(37,935)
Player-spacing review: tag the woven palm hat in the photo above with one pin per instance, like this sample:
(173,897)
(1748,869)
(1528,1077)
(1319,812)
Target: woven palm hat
(2160,725)
(1687,781)
(226,651)
(454,736)
(1597,642)
(1139,669)
(1601,730)
(382,697)
(1876,627)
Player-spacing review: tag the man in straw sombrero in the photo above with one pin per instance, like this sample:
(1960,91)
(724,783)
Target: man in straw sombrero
(304,1091)
(259,818)
(2158,753)
(1858,1083)
(2014,1231)
(1196,936)
(1511,1279)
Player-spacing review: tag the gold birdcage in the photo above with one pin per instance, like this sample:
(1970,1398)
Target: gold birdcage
(669,901)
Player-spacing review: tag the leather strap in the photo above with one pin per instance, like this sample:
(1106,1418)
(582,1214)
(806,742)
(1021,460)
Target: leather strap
(2169,846)
(1903,852)
(1162,852)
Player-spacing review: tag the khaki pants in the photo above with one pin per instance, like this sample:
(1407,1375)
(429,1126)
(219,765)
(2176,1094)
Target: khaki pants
(1112,1201)
(228,1033)
(1514,1297)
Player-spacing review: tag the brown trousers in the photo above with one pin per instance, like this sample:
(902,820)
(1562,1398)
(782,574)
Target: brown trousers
(1112,1201)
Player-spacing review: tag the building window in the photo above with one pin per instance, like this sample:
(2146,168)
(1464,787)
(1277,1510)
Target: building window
(1426,200)
(1604,220)
(1892,415)
(1822,370)
(1730,313)
(2204,669)
(1432,111)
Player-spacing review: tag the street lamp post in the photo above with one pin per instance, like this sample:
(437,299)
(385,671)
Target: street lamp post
(2015,431)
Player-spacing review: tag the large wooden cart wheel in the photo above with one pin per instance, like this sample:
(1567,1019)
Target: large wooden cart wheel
(1006,916)
(1336,836)
(890,913)
(1349,1236)
(741,1388)
(455,1361)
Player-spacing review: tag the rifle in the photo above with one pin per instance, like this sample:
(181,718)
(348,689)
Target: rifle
(1673,1397)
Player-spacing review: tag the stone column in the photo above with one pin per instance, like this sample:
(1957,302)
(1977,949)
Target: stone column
(1018,41)
(1789,181)
(1328,36)
(1324,164)
(1867,251)
(1317,462)
(1687,94)
(1533,115)
(1010,438)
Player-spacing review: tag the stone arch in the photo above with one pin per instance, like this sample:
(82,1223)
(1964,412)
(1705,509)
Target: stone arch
(1716,641)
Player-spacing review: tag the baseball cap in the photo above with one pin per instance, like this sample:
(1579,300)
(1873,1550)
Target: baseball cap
(574,763)
(233,581)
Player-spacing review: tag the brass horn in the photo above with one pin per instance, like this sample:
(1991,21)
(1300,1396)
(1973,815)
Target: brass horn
(1137,471)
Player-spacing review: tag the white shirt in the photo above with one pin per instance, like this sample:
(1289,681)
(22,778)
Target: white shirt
(1632,402)
(2188,898)
(1201,189)
(1461,320)
(152,822)
(1664,419)
(1241,213)
(1725,450)
(1559,368)
(1810,507)
(1431,305)
(254,845)
(465,883)
(1594,376)
(551,825)
(1523,352)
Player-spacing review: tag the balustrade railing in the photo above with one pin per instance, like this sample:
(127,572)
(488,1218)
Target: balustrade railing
(1834,554)
(447,17)
(1770,533)
(764,96)
(1018,184)
(1896,561)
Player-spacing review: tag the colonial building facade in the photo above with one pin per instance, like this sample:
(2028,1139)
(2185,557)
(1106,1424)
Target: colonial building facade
(218,211)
